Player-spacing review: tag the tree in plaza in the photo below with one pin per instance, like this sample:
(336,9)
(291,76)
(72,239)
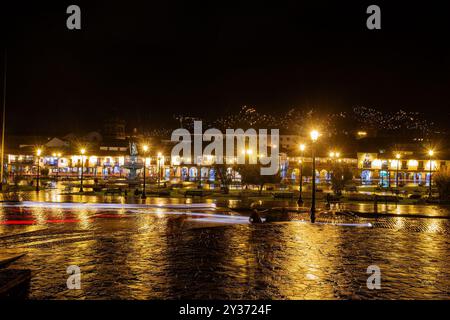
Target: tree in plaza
(342,174)
(44,172)
(251,174)
(307,169)
(442,181)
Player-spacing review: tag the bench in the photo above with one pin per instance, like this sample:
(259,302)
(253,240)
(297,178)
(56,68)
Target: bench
(378,198)
(115,191)
(283,195)
(193,193)
(158,192)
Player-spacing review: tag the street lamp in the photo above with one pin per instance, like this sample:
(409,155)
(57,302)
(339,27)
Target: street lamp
(83,151)
(397,156)
(159,169)
(38,154)
(314,136)
(300,200)
(145,149)
(430,153)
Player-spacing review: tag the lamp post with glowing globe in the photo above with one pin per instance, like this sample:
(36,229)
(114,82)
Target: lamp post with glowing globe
(38,154)
(159,168)
(314,136)
(430,153)
(145,149)
(300,200)
(82,151)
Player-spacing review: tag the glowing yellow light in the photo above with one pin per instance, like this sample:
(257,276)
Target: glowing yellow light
(159,154)
(249,151)
(38,152)
(337,154)
(83,151)
(376,164)
(314,135)
(331,154)
(430,152)
(59,155)
(398,156)
(362,133)
(302,147)
(145,148)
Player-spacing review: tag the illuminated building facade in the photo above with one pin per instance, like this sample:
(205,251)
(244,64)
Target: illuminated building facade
(412,168)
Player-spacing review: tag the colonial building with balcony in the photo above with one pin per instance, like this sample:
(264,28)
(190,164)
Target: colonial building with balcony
(411,167)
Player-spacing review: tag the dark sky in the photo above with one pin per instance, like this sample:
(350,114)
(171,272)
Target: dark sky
(146,61)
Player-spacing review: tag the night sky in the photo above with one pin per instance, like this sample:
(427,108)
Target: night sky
(145,62)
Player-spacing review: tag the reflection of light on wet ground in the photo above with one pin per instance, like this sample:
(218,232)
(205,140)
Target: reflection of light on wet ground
(106,205)
(399,223)
(342,224)
(404,209)
(39,215)
(202,216)
(434,226)
(223,219)
(149,252)
(29,213)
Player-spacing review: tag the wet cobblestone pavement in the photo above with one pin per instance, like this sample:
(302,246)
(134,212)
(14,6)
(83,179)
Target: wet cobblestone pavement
(204,252)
